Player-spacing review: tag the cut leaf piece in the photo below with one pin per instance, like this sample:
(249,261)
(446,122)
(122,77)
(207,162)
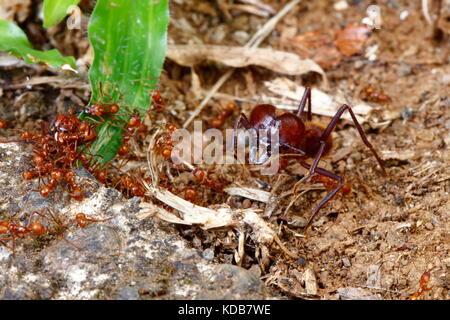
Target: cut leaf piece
(129,40)
(14,41)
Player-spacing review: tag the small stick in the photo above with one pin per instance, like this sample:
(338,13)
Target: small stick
(286,250)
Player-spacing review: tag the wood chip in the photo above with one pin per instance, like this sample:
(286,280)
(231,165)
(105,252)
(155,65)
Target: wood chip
(207,218)
(402,155)
(249,193)
(310,282)
(351,39)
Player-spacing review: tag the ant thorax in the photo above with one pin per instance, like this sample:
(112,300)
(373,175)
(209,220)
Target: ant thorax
(264,143)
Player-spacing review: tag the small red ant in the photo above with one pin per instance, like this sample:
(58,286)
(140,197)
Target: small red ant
(304,139)
(56,152)
(2,124)
(16,230)
(165,142)
(131,185)
(82,220)
(190,194)
(201,176)
(218,121)
(102,109)
(370,94)
(158,103)
(423,286)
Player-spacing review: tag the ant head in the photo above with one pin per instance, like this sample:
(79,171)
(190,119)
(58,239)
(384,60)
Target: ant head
(291,129)
(64,123)
(262,115)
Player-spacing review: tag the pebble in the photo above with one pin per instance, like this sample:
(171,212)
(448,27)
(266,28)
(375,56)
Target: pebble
(340,5)
(429,226)
(208,254)
(346,262)
(359,64)
(407,113)
(404,69)
(246,204)
(128,293)
(219,34)
(297,222)
(445,79)
(301,261)
(241,37)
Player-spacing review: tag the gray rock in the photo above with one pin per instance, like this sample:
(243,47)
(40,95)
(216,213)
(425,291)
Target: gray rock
(208,254)
(121,258)
(128,293)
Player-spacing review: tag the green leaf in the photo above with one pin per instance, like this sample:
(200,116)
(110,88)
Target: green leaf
(15,41)
(129,39)
(56,10)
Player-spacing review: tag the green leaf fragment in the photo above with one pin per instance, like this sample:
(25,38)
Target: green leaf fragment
(129,41)
(15,41)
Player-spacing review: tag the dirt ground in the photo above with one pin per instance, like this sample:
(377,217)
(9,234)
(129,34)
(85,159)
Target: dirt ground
(376,242)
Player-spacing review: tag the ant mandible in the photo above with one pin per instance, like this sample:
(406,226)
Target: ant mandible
(304,139)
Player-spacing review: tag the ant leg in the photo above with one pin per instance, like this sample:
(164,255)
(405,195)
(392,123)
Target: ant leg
(333,124)
(306,97)
(288,145)
(100,88)
(4,244)
(242,121)
(329,196)
(60,227)
(314,167)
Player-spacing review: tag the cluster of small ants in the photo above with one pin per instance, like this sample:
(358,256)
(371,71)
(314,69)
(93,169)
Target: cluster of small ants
(56,152)
(164,147)
(60,148)
(202,178)
(11,230)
